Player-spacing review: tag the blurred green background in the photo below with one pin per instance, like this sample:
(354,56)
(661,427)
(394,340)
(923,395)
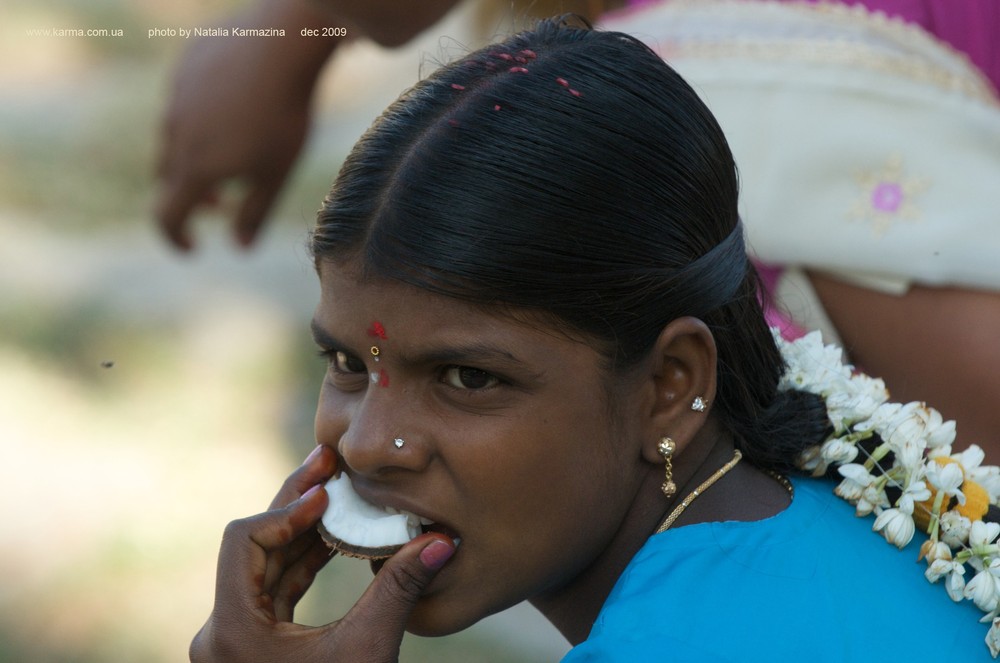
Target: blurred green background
(147,398)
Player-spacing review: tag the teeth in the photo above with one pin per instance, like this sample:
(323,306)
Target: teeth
(413,518)
(416,520)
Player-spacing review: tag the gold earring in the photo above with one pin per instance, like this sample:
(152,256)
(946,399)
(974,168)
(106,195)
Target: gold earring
(666,448)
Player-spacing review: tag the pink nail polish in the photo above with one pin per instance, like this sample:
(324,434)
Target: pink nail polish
(309,493)
(436,554)
(312,454)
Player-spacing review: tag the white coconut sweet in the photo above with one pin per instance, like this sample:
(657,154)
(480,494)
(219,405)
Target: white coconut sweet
(358,528)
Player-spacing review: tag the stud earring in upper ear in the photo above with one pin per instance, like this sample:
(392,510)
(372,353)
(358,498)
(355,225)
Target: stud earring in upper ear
(699,404)
(666,448)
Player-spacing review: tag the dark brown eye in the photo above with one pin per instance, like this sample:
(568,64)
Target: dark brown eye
(464,377)
(346,363)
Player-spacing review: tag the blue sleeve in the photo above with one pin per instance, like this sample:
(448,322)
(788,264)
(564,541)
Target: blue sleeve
(638,648)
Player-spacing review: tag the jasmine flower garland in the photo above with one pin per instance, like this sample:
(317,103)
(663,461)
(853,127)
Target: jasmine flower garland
(907,452)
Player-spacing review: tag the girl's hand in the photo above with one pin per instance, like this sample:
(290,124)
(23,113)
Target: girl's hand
(268,561)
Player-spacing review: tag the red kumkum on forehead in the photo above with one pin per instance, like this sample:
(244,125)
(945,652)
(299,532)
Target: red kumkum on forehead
(380,377)
(377,330)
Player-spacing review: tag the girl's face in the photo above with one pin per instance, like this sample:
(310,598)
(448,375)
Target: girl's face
(509,443)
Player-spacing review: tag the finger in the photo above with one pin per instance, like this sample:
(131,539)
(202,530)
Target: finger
(298,578)
(166,155)
(315,470)
(177,199)
(255,207)
(318,466)
(249,546)
(378,619)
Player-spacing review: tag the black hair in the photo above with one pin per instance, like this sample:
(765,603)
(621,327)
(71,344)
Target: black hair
(572,172)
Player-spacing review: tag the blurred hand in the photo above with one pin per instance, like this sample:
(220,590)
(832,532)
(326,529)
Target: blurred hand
(267,562)
(239,110)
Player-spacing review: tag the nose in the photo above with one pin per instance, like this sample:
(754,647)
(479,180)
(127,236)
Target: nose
(375,434)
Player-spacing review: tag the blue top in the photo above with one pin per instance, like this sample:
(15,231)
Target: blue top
(812,583)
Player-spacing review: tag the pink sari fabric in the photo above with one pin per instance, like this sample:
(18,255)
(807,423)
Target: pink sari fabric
(773,314)
(970,26)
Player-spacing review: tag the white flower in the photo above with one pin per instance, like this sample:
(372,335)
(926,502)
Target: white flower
(971,458)
(838,451)
(917,491)
(982,534)
(993,638)
(955,529)
(918,424)
(858,401)
(872,498)
(881,418)
(984,588)
(872,389)
(940,433)
(812,366)
(955,585)
(910,456)
(946,478)
(987,476)
(896,526)
(811,460)
(856,479)
(934,551)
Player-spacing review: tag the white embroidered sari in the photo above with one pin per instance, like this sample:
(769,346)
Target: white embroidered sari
(867,149)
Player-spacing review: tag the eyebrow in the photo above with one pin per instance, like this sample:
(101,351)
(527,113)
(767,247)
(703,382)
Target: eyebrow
(322,337)
(474,352)
(458,354)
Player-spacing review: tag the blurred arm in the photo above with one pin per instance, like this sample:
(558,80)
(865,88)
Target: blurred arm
(939,345)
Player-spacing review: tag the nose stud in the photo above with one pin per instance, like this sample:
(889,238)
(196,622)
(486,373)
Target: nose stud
(398,442)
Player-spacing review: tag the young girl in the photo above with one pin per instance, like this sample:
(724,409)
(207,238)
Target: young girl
(545,339)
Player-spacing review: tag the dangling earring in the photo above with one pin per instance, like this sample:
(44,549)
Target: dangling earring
(666,448)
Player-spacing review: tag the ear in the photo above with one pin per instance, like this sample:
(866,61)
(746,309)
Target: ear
(682,369)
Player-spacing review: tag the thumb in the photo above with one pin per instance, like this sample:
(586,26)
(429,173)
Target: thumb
(377,621)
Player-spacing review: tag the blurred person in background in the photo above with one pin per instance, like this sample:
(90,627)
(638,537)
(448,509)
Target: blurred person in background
(867,133)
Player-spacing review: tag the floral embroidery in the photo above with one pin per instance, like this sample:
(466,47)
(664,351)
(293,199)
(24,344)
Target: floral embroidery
(887,196)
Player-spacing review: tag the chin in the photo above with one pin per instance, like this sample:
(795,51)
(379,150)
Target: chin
(435,616)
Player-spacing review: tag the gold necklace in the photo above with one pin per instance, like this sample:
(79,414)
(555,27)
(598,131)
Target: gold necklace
(693,495)
(785,483)
(707,483)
